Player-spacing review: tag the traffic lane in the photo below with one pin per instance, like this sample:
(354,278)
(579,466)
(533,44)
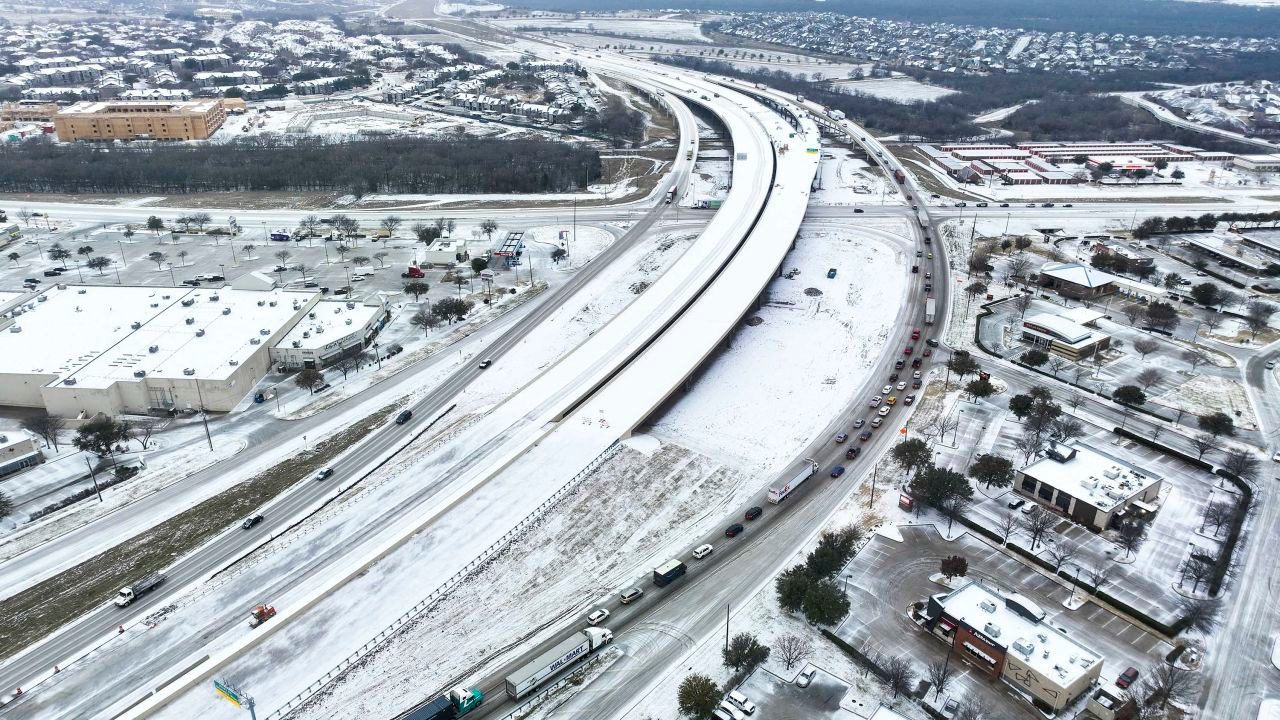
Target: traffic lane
(97,624)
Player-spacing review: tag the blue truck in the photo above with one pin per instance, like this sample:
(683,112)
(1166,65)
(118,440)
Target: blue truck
(453,704)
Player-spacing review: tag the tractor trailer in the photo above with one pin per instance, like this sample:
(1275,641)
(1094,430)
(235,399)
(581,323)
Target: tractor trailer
(899,176)
(453,704)
(550,663)
(803,470)
(129,593)
(930,308)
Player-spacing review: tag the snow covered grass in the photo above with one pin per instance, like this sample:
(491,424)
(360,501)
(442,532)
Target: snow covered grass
(898,89)
(819,334)
(1205,393)
(709,181)
(846,180)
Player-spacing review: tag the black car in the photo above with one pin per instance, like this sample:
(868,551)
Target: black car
(192,283)
(251,521)
(53,273)
(1017,504)
(852,452)
(931,342)
(33,281)
(858,210)
(733,530)
(753,513)
(865,436)
(403,417)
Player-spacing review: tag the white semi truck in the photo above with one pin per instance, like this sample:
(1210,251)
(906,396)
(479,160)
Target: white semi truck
(803,470)
(565,654)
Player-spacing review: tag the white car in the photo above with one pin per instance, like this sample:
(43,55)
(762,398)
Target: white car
(875,401)
(886,389)
(883,411)
(1276,457)
(597,616)
(806,676)
(741,702)
(902,386)
(702,551)
(726,708)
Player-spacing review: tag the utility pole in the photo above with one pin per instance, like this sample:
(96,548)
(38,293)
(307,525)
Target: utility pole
(204,416)
(94,477)
(726,626)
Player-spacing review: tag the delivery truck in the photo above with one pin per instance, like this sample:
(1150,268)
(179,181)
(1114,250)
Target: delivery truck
(803,470)
(930,307)
(454,704)
(668,572)
(899,176)
(564,655)
(129,593)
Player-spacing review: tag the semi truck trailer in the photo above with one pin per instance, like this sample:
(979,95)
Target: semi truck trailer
(454,704)
(564,655)
(803,470)
(930,308)
(899,176)
(668,572)
(129,593)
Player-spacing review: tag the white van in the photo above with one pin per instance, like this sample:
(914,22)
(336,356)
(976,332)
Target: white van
(741,702)
(728,709)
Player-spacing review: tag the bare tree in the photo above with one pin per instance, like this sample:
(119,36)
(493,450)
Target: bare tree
(1203,443)
(1166,683)
(1200,615)
(1060,552)
(1057,364)
(391,223)
(1064,429)
(1022,303)
(1017,267)
(1241,463)
(283,256)
(899,675)
(1036,523)
(1149,377)
(1197,569)
(425,320)
(1006,524)
(381,257)
(1130,536)
(1029,443)
(46,426)
(1099,573)
(1133,311)
(973,708)
(793,649)
(1216,514)
(940,673)
(1194,358)
(1145,347)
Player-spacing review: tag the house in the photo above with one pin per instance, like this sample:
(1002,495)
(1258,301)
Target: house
(1089,486)
(1006,637)
(1077,280)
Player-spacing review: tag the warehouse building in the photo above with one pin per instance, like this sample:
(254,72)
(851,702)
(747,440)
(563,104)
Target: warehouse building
(140,119)
(1006,637)
(1257,163)
(1089,486)
(79,351)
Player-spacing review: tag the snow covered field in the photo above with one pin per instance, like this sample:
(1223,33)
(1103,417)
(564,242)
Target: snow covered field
(815,348)
(633,24)
(847,180)
(898,89)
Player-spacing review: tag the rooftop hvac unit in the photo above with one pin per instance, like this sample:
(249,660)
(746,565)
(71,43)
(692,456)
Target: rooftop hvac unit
(348,321)
(255,341)
(62,286)
(17,311)
(191,321)
(273,303)
(233,363)
(154,349)
(306,333)
(155,305)
(135,325)
(213,298)
(69,381)
(226,311)
(188,302)
(264,331)
(200,332)
(991,630)
(262,303)
(988,606)
(81,291)
(351,306)
(15,328)
(139,373)
(311,315)
(319,331)
(188,371)
(42,298)
(1112,472)
(337,310)
(297,343)
(1023,647)
(164,297)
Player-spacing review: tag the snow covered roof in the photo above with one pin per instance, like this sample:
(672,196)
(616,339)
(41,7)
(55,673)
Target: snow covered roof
(97,335)
(1081,315)
(329,321)
(1059,328)
(1015,623)
(1077,274)
(1090,476)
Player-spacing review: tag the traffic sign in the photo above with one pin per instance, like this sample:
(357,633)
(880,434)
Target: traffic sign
(231,694)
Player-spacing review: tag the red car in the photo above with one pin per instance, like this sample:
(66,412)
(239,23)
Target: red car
(908,350)
(1127,678)
(927,352)
(915,334)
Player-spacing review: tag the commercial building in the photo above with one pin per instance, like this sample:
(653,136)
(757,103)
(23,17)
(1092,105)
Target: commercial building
(18,451)
(1257,163)
(444,252)
(1230,251)
(1089,486)
(79,351)
(141,119)
(1063,336)
(1133,258)
(1076,280)
(1006,637)
(331,330)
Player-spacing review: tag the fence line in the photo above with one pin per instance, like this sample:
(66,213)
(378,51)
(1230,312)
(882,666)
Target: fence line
(438,594)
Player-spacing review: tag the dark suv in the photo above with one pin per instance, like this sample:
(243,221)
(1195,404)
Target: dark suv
(403,417)
(754,513)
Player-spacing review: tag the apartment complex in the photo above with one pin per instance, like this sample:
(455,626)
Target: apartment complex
(140,120)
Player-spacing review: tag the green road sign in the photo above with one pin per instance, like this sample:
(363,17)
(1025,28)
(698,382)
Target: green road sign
(231,694)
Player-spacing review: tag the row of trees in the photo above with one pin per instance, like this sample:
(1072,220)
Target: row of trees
(359,166)
(810,588)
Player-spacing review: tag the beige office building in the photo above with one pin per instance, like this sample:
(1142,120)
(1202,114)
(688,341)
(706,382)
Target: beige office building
(140,120)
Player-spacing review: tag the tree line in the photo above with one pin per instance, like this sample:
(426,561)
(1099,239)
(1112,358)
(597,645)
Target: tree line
(360,166)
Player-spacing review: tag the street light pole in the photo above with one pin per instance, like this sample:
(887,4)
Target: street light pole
(95,479)
(204,416)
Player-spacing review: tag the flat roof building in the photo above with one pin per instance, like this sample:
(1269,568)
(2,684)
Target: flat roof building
(1089,486)
(78,351)
(1006,637)
(331,330)
(140,119)
(18,451)
(1063,336)
(1257,163)
(1230,251)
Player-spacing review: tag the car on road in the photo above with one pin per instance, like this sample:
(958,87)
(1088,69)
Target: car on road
(891,400)
(884,410)
(251,521)
(841,437)
(324,473)
(931,342)
(630,595)
(726,711)
(902,385)
(916,375)
(928,276)
(982,204)
(917,363)
(915,333)
(909,400)
(1004,204)
(908,349)
(915,384)
(806,676)
(1017,503)
(1127,678)
(898,364)
(597,616)
(858,210)
(886,389)
(837,471)
(1271,364)
(915,268)
(485,363)
(919,253)
(404,417)
(1068,205)
(875,401)
(859,423)
(894,377)
(877,422)
(702,551)
(733,530)
(1046,204)
(852,452)
(1276,457)
(927,352)
(1031,204)
(753,513)
(866,434)
(741,702)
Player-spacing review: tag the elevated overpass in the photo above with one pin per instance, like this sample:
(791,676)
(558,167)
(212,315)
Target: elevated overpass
(571,412)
